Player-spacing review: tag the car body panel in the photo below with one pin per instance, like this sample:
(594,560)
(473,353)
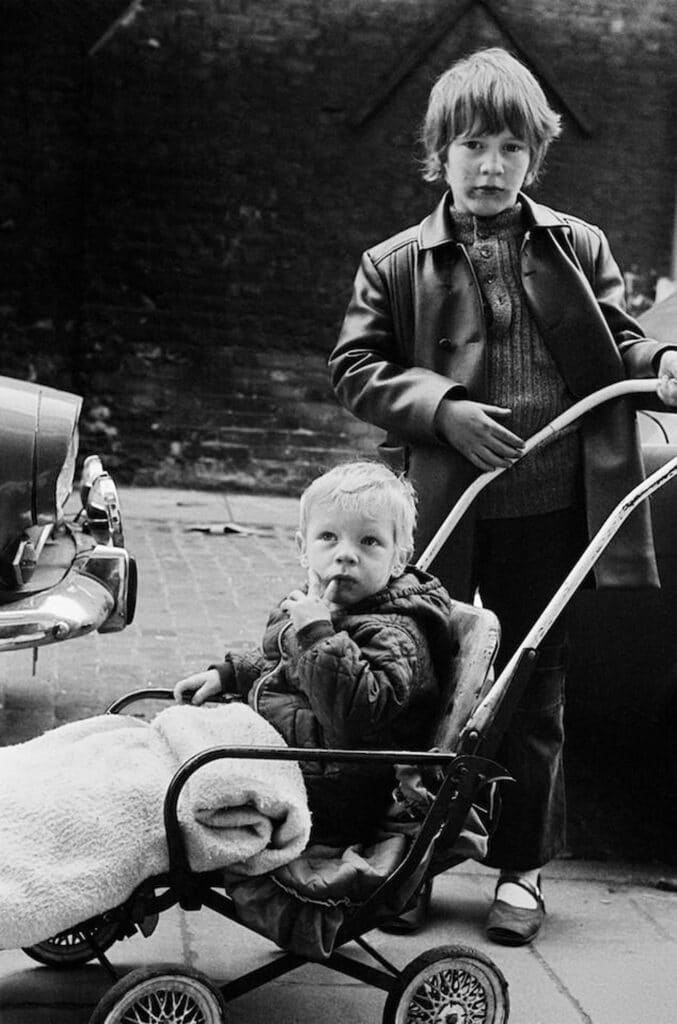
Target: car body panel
(37,424)
(58,580)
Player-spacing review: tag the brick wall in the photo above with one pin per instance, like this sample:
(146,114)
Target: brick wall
(183,208)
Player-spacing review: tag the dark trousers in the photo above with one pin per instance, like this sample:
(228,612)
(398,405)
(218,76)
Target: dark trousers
(518,566)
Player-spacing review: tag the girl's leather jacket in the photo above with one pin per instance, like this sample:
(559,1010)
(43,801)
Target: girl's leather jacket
(414,333)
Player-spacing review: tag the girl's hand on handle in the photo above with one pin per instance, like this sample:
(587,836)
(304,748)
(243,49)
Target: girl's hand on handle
(473,428)
(667,379)
(198,688)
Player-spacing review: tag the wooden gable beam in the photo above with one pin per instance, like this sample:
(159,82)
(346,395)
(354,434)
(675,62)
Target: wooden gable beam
(419,53)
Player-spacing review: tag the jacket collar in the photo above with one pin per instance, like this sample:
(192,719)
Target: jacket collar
(437,228)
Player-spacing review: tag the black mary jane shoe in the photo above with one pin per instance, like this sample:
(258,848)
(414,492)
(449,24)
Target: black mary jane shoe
(516,926)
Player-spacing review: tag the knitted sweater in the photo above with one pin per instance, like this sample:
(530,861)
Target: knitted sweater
(521,373)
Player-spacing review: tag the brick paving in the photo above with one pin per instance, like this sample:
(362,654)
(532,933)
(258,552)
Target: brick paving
(199,594)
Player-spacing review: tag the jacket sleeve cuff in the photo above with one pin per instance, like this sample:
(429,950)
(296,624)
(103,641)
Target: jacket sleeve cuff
(656,359)
(455,393)
(313,632)
(226,675)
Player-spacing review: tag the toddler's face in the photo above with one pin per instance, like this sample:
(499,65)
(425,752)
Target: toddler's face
(485,172)
(354,549)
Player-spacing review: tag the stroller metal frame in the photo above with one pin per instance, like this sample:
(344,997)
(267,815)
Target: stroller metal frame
(464,775)
(466,737)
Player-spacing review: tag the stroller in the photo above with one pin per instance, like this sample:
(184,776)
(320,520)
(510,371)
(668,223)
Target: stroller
(451,982)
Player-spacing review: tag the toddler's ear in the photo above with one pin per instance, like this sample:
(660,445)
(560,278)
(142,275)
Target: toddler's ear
(301,548)
(402,558)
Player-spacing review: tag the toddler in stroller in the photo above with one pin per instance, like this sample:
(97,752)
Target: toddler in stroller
(353,659)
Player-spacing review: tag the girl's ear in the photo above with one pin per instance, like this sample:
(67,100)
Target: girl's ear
(301,548)
(532,173)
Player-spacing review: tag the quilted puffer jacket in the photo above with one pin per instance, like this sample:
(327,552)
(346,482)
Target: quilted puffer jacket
(366,680)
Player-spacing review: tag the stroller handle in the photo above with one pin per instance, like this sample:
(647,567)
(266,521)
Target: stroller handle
(486,709)
(544,436)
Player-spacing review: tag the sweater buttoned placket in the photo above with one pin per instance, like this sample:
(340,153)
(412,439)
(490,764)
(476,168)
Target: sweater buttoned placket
(484,255)
(495,259)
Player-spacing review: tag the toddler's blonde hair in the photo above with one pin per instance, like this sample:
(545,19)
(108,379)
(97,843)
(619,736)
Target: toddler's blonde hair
(371,487)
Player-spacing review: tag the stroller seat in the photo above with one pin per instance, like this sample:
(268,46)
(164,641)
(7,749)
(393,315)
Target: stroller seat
(307,904)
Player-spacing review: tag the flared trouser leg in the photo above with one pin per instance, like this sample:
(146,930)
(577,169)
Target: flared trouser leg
(519,565)
(532,824)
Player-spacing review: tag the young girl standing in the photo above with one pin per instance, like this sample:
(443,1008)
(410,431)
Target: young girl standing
(465,335)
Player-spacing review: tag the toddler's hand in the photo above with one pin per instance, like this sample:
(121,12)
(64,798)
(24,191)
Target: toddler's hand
(198,688)
(315,606)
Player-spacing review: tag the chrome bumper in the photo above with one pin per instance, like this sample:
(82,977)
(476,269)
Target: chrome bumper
(81,579)
(97,593)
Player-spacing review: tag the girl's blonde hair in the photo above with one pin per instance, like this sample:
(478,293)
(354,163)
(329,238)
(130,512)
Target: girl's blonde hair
(366,487)
(486,93)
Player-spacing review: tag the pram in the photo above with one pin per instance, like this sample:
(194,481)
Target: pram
(445,983)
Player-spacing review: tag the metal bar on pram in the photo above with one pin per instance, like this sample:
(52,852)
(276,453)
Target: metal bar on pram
(148,693)
(178,859)
(544,436)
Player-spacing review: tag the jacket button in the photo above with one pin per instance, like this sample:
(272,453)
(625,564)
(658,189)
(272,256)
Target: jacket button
(445,343)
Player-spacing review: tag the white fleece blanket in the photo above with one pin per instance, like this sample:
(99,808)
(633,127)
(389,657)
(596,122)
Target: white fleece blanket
(81,812)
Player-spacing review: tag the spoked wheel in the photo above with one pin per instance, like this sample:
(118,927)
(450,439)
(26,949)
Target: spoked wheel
(74,947)
(449,985)
(161,995)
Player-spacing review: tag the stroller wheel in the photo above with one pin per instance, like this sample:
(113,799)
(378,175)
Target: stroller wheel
(74,947)
(161,995)
(449,985)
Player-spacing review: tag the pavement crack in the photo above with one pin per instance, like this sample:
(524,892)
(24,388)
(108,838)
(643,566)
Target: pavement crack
(189,955)
(648,916)
(560,986)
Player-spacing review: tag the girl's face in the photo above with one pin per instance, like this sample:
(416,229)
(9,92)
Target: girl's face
(485,172)
(355,550)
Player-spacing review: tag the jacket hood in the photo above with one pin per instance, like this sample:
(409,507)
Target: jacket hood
(422,597)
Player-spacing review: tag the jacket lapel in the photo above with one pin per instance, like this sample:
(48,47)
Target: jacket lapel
(564,307)
(450,332)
